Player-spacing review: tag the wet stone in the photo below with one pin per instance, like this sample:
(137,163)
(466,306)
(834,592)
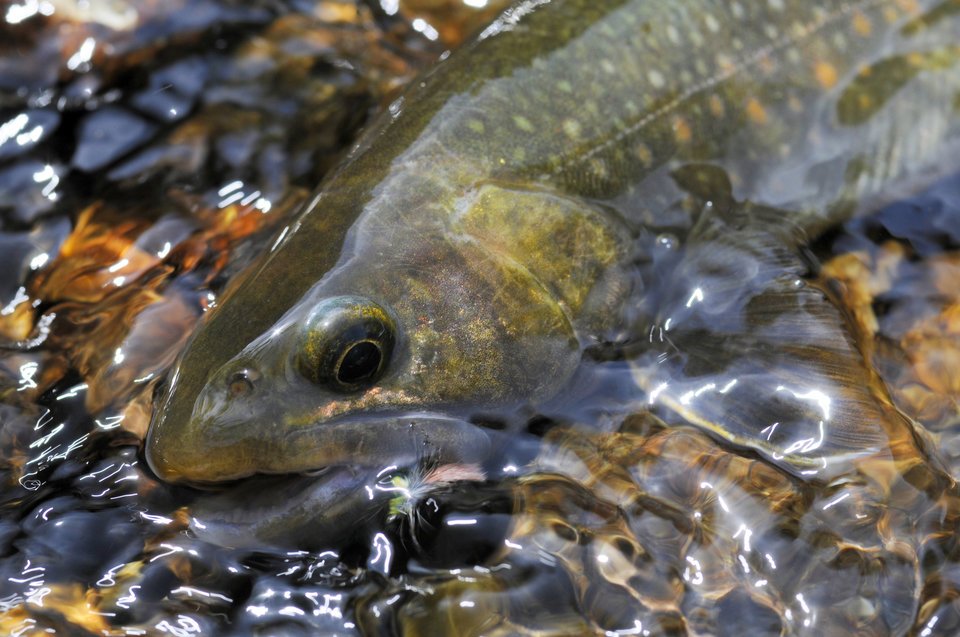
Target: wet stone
(82,92)
(24,252)
(108,134)
(75,544)
(150,111)
(173,91)
(163,104)
(603,534)
(25,130)
(8,531)
(29,189)
(157,159)
(276,608)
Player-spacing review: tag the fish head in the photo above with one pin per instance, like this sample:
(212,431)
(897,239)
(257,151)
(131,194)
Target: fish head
(387,358)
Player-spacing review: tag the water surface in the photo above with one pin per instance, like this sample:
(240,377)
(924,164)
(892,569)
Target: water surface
(147,152)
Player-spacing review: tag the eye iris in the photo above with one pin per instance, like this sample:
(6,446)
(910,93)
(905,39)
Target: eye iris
(346,343)
(361,361)
(239,384)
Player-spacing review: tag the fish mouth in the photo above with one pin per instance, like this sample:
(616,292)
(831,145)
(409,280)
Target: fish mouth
(336,480)
(384,439)
(322,510)
(212,454)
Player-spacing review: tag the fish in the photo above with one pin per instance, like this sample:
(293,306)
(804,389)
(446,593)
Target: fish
(606,184)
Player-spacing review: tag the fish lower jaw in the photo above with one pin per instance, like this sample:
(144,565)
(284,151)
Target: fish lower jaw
(383,440)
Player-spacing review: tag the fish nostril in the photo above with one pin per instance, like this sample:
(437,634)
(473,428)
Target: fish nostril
(241,382)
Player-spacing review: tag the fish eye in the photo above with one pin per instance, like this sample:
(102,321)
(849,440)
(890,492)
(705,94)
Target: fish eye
(359,362)
(346,343)
(240,382)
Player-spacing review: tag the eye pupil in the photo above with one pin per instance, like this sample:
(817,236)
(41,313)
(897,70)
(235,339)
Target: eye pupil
(361,361)
(240,383)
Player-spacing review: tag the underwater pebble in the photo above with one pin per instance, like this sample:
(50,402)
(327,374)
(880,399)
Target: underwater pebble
(108,134)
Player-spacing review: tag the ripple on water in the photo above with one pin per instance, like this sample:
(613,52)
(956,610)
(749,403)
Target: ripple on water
(635,528)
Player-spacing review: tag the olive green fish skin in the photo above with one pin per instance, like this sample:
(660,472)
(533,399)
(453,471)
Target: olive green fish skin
(475,210)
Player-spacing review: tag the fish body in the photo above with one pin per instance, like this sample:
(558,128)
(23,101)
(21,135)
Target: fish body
(487,231)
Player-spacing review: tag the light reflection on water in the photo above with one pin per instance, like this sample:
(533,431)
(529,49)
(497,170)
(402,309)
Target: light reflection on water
(637,528)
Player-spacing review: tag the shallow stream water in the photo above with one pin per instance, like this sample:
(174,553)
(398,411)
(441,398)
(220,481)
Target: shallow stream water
(147,151)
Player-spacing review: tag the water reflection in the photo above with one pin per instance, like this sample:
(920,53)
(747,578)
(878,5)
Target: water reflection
(635,516)
(97,303)
(17,13)
(757,355)
(622,526)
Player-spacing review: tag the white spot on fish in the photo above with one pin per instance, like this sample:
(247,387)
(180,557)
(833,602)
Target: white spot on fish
(656,78)
(571,128)
(673,34)
(840,41)
(523,123)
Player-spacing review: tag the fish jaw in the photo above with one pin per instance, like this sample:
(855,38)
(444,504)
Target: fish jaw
(209,436)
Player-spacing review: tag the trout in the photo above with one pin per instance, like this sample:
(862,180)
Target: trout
(588,182)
